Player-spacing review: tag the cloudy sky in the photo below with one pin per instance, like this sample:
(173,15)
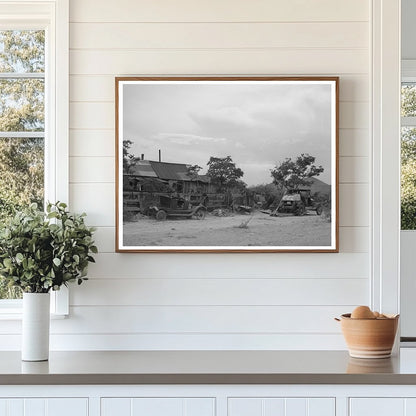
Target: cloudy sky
(258,125)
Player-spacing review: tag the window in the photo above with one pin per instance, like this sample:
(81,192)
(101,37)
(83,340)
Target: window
(408,150)
(22,124)
(33,111)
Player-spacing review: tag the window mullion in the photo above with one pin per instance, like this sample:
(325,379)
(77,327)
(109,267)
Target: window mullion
(22,75)
(408,121)
(22,134)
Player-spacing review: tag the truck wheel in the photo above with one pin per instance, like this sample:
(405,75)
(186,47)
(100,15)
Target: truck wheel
(318,210)
(200,214)
(161,215)
(301,210)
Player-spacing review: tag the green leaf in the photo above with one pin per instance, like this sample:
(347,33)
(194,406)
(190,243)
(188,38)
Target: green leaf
(56,261)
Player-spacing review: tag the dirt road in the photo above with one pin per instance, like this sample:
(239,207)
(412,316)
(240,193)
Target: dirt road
(262,230)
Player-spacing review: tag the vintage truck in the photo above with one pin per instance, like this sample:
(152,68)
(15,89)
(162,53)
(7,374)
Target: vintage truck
(297,202)
(171,206)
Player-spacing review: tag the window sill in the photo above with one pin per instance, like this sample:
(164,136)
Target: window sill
(17,316)
(11,309)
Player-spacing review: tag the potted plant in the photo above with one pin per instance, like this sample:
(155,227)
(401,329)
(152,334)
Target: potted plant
(40,252)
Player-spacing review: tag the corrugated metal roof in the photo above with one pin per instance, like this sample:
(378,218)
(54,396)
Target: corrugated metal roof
(164,170)
(173,171)
(204,178)
(143,168)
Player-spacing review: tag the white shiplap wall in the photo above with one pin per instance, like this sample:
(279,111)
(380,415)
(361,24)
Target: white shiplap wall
(262,301)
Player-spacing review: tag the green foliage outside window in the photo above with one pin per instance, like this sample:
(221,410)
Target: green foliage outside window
(408,160)
(408,179)
(21,110)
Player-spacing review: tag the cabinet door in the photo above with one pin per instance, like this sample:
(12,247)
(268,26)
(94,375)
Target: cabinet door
(281,406)
(155,406)
(44,407)
(377,407)
(392,406)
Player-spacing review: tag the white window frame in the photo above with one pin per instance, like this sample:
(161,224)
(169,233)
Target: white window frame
(53,17)
(385,114)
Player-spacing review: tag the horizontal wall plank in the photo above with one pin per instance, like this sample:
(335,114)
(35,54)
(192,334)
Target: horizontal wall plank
(354,142)
(354,169)
(105,238)
(146,342)
(200,319)
(101,115)
(354,205)
(217,292)
(98,88)
(96,199)
(91,169)
(92,115)
(96,143)
(95,88)
(218,11)
(354,88)
(218,35)
(102,169)
(354,115)
(220,62)
(354,239)
(230,266)
(194,320)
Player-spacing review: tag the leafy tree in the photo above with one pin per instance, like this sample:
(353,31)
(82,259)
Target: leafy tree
(224,172)
(193,171)
(293,174)
(408,179)
(129,160)
(408,104)
(21,174)
(408,145)
(408,160)
(270,192)
(408,196)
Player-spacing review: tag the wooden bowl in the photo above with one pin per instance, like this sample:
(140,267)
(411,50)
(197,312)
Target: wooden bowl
(369,338)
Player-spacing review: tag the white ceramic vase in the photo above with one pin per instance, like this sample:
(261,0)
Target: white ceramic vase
(35,326)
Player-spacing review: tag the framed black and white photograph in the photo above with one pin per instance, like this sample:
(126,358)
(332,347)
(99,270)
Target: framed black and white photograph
(227,164)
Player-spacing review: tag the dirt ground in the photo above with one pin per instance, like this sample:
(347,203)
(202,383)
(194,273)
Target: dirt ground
(262,230)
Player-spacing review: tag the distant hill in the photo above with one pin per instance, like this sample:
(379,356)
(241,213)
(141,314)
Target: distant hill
(319,186)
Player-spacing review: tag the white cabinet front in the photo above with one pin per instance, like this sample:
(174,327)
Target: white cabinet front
(382,406)
(281,407)
(44,407)
(158,406)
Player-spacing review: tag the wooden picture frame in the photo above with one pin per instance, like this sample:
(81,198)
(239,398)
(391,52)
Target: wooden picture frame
(227,164)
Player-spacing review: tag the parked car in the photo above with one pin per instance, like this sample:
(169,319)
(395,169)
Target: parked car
(297,202)
(171,206)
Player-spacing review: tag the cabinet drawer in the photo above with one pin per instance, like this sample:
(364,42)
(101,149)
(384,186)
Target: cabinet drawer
(276,406)
(158,406)
(377,406)
(44,407)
